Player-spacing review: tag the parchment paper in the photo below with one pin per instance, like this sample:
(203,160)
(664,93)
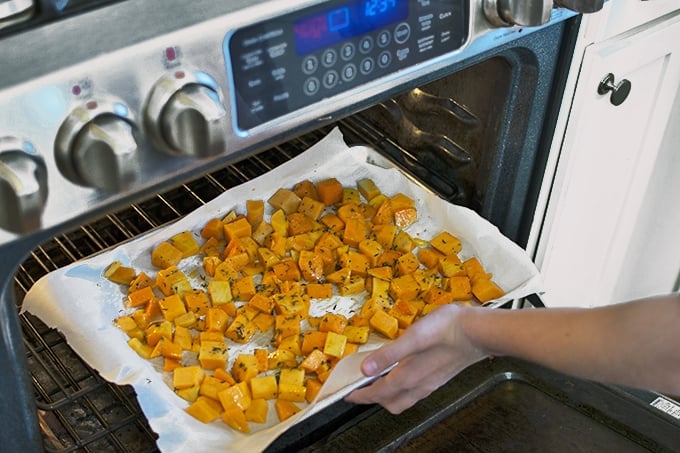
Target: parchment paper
(79,302)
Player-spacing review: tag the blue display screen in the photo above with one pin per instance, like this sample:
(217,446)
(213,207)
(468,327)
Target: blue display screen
(346,21)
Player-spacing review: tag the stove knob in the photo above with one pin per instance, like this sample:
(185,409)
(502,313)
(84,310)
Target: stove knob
(581,6)
(23,186)
(506,13)
(96,147)
(185,115)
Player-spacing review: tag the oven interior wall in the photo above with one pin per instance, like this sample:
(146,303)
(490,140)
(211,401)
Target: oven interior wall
(480,136)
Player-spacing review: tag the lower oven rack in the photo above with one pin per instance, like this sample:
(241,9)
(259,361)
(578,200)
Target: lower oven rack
(77,409)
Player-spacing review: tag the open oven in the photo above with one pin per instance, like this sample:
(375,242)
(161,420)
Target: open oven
(120,117)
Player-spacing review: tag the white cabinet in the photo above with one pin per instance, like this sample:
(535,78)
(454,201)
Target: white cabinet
(611,230)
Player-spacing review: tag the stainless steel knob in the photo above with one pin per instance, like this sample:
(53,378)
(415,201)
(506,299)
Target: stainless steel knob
(96,147)
(23,186)
(185,115)
(619,92)
(581,6)
(506,13)
(15,11)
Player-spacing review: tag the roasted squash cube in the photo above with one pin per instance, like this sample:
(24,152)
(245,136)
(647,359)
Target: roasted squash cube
(384,324)
(236,418)
(205,409)
(335,344)
(213,354)
(172,307)
(285,409)
(264,387)
(238,395)
(185,243)
(257,411)
(245,367)
(165,255)
(187,376)
(446,243)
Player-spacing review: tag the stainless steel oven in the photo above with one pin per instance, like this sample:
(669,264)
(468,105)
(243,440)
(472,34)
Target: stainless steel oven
(121,116)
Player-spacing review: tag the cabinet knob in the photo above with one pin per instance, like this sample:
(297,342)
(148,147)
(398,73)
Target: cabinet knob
(619,92)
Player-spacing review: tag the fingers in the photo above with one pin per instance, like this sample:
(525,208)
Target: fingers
(417,338)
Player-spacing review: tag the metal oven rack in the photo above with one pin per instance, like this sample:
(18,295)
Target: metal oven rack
(78,410)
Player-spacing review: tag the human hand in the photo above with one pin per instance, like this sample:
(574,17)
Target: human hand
(429,353)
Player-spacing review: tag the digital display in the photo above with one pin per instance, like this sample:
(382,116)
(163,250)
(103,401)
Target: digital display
(346,21)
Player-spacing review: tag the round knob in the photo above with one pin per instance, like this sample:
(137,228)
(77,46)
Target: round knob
(185,115)
(619,92)
(96,147)
(23,186)
(506,13)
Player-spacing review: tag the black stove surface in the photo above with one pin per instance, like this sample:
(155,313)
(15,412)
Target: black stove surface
(501,405)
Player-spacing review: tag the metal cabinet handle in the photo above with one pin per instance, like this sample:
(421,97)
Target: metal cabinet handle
(619,92)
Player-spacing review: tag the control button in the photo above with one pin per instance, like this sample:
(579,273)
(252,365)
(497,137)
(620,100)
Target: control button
(23,186)
(96,146)
(185,115)
(329,58)
(311,86)
(349,72)
(367,65)
(402,32)
(347,51)
(310,64)
(366,44)
(384,59)
(384,38)
(330,79)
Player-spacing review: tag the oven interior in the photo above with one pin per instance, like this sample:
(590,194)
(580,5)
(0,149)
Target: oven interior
(473,137)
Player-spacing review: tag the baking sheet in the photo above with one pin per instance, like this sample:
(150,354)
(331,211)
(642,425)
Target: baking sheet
(79,302)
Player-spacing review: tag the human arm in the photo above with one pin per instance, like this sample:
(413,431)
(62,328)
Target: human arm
(634,344)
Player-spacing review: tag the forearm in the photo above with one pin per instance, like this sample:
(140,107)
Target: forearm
(635,344)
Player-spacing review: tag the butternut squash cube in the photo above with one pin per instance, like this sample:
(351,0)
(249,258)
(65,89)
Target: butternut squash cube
(333,322)
(384,324)
(185,243)
(172,307)
(165,255)
(205,409)
(311,208)
(313,387)
(172,280)
(313,360)
(486,290)
(282,358)
(220,293)
(329,191)
(245,367)
(238,395)
(141,297)
(285,409)
(446,243)
(241,329)
(238,228)
(187,376)
(367,188)
(118,273)
(335,344)
(236,418)
(286,200)
(257,411)
(306,188)
(213,354)
(254,212)
(357,334)
(312,340)
(264,387)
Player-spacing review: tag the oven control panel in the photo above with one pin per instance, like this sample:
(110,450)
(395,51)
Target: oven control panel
(284,64)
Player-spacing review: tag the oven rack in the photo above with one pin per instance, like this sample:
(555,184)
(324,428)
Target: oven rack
(77,409)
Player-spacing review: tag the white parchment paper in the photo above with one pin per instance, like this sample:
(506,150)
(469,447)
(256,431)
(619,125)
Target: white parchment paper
(79,302)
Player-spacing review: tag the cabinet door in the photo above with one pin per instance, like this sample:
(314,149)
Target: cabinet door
(608,156)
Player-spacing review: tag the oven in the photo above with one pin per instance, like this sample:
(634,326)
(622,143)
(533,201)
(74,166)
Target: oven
(120,117)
